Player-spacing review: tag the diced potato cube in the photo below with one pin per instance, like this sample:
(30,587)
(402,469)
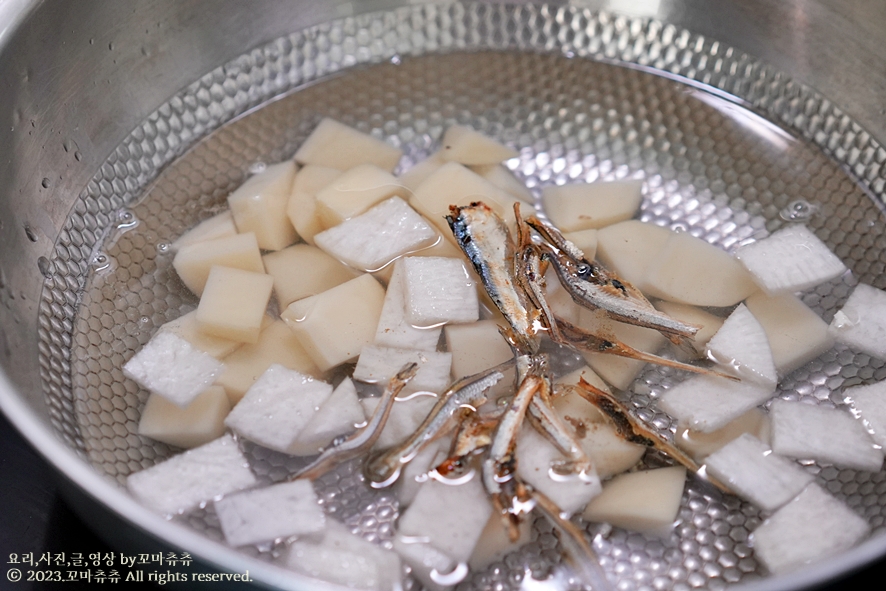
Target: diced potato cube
(194,261)
(869,402)
(354,192)
(393,328)
(336,145)
(303,270)
(708,403)
(621,371)
(741,347)
(259,205)
(380,364)
(646,501)
(585,240)
(221,225)
(466,146)
(709,323)
(233,304)
(438,290)
(302,206)
(629,248)
(335,325)
(500,176)
(700,445)
(199,422)
(187,328)
(416,175)
(339,415)
(861,322)
(581,206)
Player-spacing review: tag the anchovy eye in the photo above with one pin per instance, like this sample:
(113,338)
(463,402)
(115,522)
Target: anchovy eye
(584,270)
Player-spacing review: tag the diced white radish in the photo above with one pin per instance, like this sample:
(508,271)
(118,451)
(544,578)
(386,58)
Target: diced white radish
(812,527)
(302,207)
(580,206)
(259,205)
(199,422)
(187,328)
(709,323)
(432,567)
(689,270)
(265,514)
(393,329)
(750,469)
(700,445)
(466,146)
(277,407)
(869,402)
(494,543)
(415,473)
(416,175)
(646,501)
(585,240)
(233,304)
(438,290)
(335,325)
(336,145)
(182,482)
(621,371)
(585,373)
(630,247)
(608,451)
(406,416)
(575,409)
(741,347)
(170,366)
(277,343)
(194,261)
(375,238)
(861,322)
(560,301)
(303,270)
(833,436)
(476,347)
(354,192)
(796,334)
(500,176)
(338,415)
(708,403)
(791,259)
(377,365)
(221,225)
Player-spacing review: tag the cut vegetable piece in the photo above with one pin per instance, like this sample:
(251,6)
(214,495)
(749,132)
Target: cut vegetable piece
(199,422)
(812,527)
(417,174)
(262,515)
(796,334)
(372,240)
(791,259)
(170,366)
(691,271)
(466,146)
(221,225)
(432,567)
(709,323)
(193,262)
(833,436)
(574,409)
(476,347)
(338,415)
(336,145)
(233,304)
(415,473)
(708,403)
(609,452)
(741,347)
(630,247)
(406,416)
(302,207)
(277,407)
(393,329)
(621,371)
(501,176)
(187,328)
(647,501)
(585,240)
(861,322)
(354,192)
(750,469)
(700,445)
(259,205)
(869,402)
(581,206)
(182,482)
(585,373)
(335,325)
(494,543)
(303,270)
(438,290)
(377,365)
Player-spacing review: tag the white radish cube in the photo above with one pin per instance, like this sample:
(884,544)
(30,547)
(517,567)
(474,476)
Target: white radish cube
(791,259)
(708,403)
(585,241)
(812,527)
(832,436)
(700,445)
(750,469)
(796,334)
(576,410)
(416,175)
(621,371)
(406,416)
(438,290)
(221,225)
(277,344)
(336,145)
(861,322)
(277,407)
(182,482)
(303,270)
(742,347)
(233,304)
(170,366)
(628,248)
(335,325)
(476,347)
(536,464)
(646,501)
(375,238)
(199,422)
(259,205)
(430,566)
(393,328)
(587,374)
(466,146)
(354,192)
(194,261)
(581,206)
(265,514)
(869,402)
(415,472)
(338,415)
(689,270)
(450,517)
(302,206)
(187,328)
(377,365)
(608,451)
(709,323)
(494,543)
(500,176)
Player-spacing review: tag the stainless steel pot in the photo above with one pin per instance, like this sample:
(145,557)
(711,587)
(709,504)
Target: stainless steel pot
(80,77)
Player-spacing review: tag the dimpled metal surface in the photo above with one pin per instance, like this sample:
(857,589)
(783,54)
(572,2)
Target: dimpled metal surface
(729,169)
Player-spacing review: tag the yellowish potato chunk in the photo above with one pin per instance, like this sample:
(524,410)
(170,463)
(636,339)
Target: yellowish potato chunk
(194,261)
(709,323)
(259,205)
(336,145)
(646,501)
(218,226)
(629,247)
(417,174)
(302,206)
(233,303)
(621,371)
(202,421)
(585,240)
(501,176)
(354,192)
(302,270)
(466,146)
(581,206)
(476,347)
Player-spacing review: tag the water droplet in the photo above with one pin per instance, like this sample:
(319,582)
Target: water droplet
(164,247)
(78,156)
(110,47)
(29,232)
(126,220)
(257,167)
(45,267)
(45,182)
(144,320)
(92,41)
(799,210)
(395,59)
